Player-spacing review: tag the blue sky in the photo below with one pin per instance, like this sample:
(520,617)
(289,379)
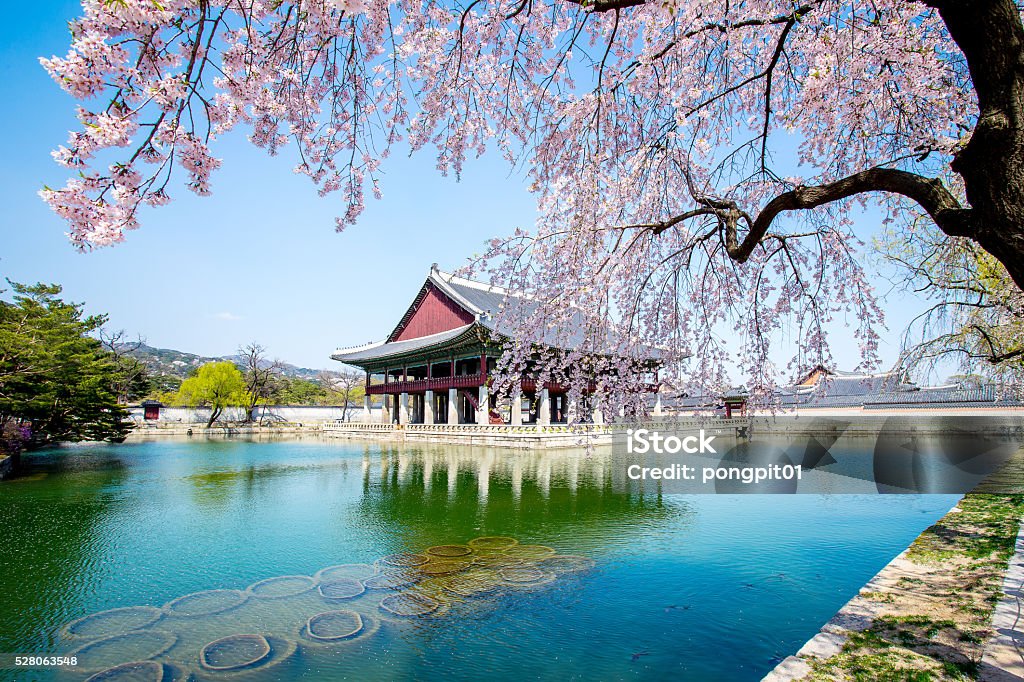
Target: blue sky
(258,260)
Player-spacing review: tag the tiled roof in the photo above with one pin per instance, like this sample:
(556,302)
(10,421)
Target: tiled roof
(376,351)
(483,301)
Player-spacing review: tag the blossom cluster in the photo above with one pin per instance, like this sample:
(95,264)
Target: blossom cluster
(623,119)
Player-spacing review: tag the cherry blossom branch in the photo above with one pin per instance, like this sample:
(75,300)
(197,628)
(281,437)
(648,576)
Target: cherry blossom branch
(931,194)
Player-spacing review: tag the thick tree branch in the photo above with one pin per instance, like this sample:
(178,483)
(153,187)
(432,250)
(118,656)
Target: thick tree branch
(929,193)
(606,5)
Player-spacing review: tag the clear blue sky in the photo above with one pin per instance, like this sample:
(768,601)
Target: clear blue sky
(258,260)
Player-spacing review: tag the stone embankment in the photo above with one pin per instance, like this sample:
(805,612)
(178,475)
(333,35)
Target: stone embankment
(947,608)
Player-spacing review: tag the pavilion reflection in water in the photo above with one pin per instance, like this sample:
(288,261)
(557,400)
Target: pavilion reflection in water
(456,468)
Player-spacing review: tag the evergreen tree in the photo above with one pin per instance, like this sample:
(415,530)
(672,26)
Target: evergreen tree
(56,381)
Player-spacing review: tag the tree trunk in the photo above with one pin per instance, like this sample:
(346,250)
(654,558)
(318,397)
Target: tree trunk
(991,36)
(214,415)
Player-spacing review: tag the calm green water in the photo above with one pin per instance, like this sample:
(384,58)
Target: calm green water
(707,587)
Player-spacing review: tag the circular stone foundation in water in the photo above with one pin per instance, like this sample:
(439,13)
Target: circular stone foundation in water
(138,671)
(566,563)
(113,622)
(473,584)
(281,650)
(443,567)
(206,603)
(111,652)
(282,587)
(449,550)
(235,652)
(408,605)
(341,588)
(529,552)
(492,543)
(525,575)
(357,571)
(332,626)
(390,580)
(495,561)
(404,560)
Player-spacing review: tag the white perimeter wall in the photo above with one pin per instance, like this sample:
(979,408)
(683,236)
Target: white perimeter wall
(268,413)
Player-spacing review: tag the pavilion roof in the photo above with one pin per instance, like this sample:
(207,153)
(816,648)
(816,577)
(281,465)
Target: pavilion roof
(381,350)
(484,301)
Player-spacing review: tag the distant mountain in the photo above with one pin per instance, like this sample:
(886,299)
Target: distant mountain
(178,363)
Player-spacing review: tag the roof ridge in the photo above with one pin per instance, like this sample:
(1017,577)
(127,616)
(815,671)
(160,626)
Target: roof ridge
(364,346)
(374,344)
(452,278)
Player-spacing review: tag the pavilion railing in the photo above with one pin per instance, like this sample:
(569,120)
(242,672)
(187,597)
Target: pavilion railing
(436,384)
(685,424)
(466,381)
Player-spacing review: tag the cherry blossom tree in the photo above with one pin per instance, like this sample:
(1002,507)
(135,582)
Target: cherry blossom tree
(695,162)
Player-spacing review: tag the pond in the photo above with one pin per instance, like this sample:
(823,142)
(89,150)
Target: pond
(457,579)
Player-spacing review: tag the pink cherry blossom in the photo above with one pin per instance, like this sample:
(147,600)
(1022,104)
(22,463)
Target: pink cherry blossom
(625,115)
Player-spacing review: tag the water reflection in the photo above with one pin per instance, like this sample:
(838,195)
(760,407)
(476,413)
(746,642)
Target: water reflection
(568,493)
(142,525)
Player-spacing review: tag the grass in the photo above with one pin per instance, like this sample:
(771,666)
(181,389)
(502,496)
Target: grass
(932,628)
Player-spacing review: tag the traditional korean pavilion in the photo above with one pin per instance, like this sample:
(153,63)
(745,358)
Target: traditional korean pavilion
(434,367)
